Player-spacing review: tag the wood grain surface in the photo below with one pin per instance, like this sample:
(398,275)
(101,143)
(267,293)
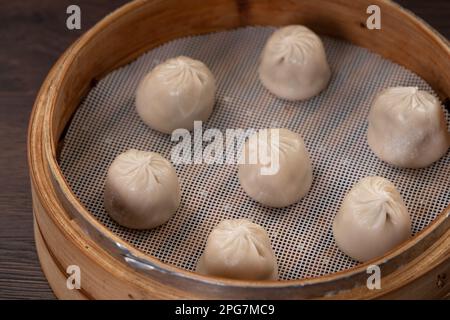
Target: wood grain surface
(33,35)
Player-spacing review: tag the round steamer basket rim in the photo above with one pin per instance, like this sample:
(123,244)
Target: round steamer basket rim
(155,263)
(46,104)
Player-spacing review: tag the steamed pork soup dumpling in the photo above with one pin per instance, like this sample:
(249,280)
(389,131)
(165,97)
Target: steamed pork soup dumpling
(275,169)
(142,190)
(407,127)
(293,64)
(239,249)
(175,94)
(372,219)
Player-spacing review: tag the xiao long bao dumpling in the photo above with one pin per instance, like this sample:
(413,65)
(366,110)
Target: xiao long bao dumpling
(294,64)
(142,190)
(175,94)
(407,128)
(275,169)
(372,219)
(239,249)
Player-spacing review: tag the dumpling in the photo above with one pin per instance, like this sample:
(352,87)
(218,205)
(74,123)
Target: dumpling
(239,249)
(407,127)
(293,64)
(142,190)
(275,169)
(372,219)
(175,94)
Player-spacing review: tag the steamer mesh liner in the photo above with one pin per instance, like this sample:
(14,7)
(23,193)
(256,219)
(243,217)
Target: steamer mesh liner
(333,125)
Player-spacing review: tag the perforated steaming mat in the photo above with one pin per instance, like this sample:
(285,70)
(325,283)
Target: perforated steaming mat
(332,124)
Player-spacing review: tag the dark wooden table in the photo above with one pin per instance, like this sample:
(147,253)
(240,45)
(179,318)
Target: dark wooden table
(33,34)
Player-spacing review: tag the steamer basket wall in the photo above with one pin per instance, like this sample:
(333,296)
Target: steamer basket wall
(66,234)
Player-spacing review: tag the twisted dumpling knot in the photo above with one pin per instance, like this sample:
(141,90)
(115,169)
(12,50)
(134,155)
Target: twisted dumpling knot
(372,219)
(294,64)
(281,174)
(176,93)
(141,190)
(407,127)
(239,249)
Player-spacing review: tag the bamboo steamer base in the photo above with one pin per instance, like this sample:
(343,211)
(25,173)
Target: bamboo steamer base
(426,277)
(65,230)
(102,277)
(54,272)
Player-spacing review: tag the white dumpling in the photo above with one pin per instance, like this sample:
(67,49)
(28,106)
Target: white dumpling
(176,93)
(372,219)
(284,176)
(142,190)
(239,249)
(407,127)
(293,64)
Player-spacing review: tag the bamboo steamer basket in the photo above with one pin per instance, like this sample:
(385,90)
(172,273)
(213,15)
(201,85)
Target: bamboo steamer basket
(67,234)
